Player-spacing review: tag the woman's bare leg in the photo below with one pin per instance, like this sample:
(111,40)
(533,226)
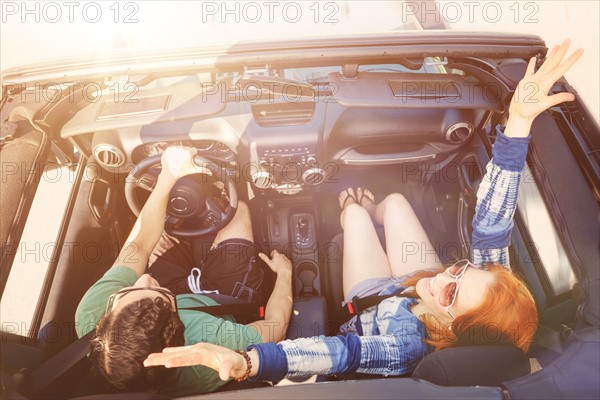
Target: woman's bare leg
(363,256)
(408,247)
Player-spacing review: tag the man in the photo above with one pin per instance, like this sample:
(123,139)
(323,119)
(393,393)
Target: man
(134,316)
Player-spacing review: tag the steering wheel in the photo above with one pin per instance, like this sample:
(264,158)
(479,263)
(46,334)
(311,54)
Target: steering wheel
(196,206)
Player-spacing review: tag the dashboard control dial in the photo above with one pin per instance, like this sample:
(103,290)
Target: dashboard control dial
(313,176)
(262,179)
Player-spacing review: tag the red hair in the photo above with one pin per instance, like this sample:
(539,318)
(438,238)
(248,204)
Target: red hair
(508,315)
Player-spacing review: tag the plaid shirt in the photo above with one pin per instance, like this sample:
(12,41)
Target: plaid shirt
(392,340)
(497,200)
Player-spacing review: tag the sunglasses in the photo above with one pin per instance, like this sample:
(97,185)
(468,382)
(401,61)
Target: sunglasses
(121,293)
(447,296)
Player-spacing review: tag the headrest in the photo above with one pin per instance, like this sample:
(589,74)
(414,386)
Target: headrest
(488,365)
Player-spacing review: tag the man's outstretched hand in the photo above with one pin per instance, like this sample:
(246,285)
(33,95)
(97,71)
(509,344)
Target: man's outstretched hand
(226,362)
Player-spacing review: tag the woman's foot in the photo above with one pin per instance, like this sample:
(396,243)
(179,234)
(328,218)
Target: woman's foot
(346,198)
(365,198)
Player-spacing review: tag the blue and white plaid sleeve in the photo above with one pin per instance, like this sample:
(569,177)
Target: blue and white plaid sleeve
(497,200)
(396,351)
(325,355)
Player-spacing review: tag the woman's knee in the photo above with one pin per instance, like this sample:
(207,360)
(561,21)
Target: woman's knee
(396,200)
(396,204)
(353,211)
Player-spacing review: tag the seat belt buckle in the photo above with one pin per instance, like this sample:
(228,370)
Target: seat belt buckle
(352,306)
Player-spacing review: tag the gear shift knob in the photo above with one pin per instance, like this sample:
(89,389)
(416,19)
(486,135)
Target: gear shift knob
(303,227)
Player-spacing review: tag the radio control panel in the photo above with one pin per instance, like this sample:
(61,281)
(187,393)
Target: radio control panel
(282,157)
(288,169)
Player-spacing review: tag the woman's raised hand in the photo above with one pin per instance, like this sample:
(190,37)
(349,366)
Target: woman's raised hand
(531,95)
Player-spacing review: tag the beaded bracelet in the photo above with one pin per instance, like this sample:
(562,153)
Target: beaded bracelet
(248,366)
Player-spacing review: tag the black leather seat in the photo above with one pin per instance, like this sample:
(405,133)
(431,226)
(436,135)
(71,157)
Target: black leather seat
(462,366)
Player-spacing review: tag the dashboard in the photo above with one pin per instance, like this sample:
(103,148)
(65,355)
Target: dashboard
(212,149)
(287,144)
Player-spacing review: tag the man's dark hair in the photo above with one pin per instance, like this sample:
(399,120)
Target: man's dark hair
(125,338)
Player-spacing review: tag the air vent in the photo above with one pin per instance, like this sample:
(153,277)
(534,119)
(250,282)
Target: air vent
(283,114)
(459,133)
(262,179)
(109,156)
(313,176)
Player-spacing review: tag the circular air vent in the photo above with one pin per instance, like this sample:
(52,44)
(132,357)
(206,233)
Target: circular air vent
(109,156)
(459,133)
(262,179)
(313,176)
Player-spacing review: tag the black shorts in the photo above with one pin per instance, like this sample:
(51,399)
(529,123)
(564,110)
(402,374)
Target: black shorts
(232,267)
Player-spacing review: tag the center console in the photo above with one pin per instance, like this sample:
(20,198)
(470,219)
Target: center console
(292,230)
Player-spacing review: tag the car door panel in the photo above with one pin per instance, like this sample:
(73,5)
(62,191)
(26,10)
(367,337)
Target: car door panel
(22,160)
(89,248)
(572,206)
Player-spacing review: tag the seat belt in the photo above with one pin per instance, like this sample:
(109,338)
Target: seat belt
(246,309)
(359,304)
(58,364)
(61,362)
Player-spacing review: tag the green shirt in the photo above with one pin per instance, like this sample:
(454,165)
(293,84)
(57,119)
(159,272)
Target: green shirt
(199,327)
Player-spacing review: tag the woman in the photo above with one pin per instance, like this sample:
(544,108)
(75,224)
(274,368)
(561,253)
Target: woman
(463,305)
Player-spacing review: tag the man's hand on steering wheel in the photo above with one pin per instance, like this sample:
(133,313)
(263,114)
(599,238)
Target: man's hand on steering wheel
(193,209)
(178,162)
